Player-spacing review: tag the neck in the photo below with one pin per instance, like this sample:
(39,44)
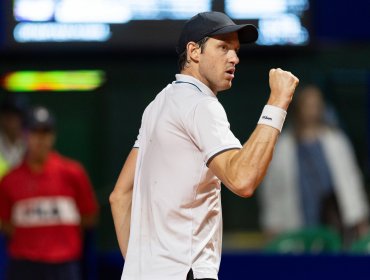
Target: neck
(309,131)
(36,163)
(190,71)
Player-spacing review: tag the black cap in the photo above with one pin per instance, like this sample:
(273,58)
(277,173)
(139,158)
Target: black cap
(213,23)
(40,118)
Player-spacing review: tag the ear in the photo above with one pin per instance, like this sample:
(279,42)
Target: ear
(193,51)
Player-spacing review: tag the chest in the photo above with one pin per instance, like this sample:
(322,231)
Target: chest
(52,182)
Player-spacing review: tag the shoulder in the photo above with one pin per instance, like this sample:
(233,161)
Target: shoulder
(14,176)
(210,105)
(189,93)
(65,163)
(206,110)
(334,135)
(156,101)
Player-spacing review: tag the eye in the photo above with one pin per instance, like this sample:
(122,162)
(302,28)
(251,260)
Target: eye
(224,47)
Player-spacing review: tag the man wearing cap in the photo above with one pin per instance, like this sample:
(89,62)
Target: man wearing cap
(166,204)
(43,204)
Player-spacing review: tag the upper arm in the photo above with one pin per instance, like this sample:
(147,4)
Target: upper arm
(125,179)
(243,170)
(219,165)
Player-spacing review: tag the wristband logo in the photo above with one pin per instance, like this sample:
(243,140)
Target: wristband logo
(266,118)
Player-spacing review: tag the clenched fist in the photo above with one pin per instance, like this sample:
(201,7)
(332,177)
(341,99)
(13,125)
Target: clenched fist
(282,85)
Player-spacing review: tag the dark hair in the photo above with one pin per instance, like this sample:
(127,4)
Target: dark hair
(183,57)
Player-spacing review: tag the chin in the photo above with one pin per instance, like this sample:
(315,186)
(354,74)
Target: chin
(227,86)
(224,88)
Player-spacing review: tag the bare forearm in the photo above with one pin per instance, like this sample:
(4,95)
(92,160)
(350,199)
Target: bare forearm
(121,200)
(121,212)
(243,170)
(248,166)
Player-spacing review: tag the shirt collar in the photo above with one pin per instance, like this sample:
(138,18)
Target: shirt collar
(190,79)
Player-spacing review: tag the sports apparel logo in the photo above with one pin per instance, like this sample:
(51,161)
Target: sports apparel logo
(45,211)
(266,118)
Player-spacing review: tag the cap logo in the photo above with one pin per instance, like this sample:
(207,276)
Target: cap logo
(42,115)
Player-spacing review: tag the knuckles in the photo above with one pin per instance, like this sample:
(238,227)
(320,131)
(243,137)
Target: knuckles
(280,74)
(284,80)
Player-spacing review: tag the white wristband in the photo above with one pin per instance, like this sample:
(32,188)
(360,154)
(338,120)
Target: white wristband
(273,116)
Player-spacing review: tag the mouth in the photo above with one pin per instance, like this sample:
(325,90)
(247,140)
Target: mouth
(230,72)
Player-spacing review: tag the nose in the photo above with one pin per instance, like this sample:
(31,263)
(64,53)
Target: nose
(234,59)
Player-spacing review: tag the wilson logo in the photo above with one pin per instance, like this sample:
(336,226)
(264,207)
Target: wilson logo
(267,118)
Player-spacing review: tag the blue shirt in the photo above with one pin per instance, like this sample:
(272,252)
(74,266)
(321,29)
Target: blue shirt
(315,180)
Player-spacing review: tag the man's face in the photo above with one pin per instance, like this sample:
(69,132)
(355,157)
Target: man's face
(40,143)
(218,60)
(310,106)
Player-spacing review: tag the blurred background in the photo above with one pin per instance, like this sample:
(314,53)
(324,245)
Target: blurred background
(97,64)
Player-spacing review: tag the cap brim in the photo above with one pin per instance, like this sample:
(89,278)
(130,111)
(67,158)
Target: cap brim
(41,126)
(247,33)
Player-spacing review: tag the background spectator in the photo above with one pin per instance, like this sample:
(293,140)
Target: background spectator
(43,205)
(314,178)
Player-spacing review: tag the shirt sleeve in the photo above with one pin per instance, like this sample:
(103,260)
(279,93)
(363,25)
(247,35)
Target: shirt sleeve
(143,118)
(210,130)
(85,196)
(5,203)
(137,142)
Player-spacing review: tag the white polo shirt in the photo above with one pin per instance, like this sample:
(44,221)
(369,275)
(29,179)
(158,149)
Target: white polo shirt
(176,219)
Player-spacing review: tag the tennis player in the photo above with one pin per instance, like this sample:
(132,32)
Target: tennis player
(166,204)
